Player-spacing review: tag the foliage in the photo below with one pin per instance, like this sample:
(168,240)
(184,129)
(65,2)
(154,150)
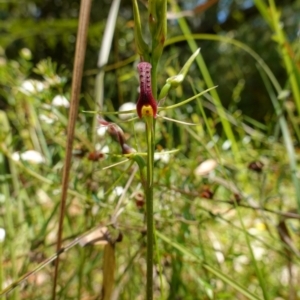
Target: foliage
(230,232)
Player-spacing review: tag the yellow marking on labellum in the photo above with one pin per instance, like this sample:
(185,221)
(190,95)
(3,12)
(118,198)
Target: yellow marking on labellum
(147,111)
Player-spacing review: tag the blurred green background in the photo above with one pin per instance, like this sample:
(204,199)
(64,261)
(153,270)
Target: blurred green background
(241,217)
(48,29)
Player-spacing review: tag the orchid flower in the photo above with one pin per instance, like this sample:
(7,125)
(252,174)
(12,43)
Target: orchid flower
(146,105)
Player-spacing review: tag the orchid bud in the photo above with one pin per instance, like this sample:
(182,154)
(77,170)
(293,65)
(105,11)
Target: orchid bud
(175,81)
(127,149)
(114,131)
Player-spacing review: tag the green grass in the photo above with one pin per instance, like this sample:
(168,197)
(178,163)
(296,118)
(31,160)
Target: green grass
(230,235)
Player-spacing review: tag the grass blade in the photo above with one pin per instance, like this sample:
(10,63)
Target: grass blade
(209,268)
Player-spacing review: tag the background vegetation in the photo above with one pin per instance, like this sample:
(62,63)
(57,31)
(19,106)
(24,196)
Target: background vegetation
(230,232)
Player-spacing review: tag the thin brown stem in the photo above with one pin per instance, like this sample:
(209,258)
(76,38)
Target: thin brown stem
(84,17)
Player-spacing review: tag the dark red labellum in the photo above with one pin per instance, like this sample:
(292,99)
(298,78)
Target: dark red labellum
(146,98)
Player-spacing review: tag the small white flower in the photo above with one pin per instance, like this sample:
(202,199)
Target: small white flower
(2,235)
(226,145)
(26,53)
(60,100)
(105,149)
(98,147)
(101,130)
(31,87)
(124,107)
(162,156)
(46,119)
(118,190)
(205,167)
(31,156)
(246,139)
(258,251)
(15,156)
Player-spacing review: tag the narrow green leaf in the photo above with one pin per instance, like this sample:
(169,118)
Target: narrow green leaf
(209,268)
(139,160)
(142,47)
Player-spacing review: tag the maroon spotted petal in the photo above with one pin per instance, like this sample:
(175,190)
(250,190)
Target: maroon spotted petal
(146,98)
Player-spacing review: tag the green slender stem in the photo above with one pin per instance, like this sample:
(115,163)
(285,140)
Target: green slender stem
(1,266)
(272,16)
(153,79)
(149,205)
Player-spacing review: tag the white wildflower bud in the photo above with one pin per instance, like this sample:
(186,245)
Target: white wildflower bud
(60,100)
(2,235)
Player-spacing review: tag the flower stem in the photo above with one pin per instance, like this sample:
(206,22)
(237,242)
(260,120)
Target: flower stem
(149,205)
(153,80)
